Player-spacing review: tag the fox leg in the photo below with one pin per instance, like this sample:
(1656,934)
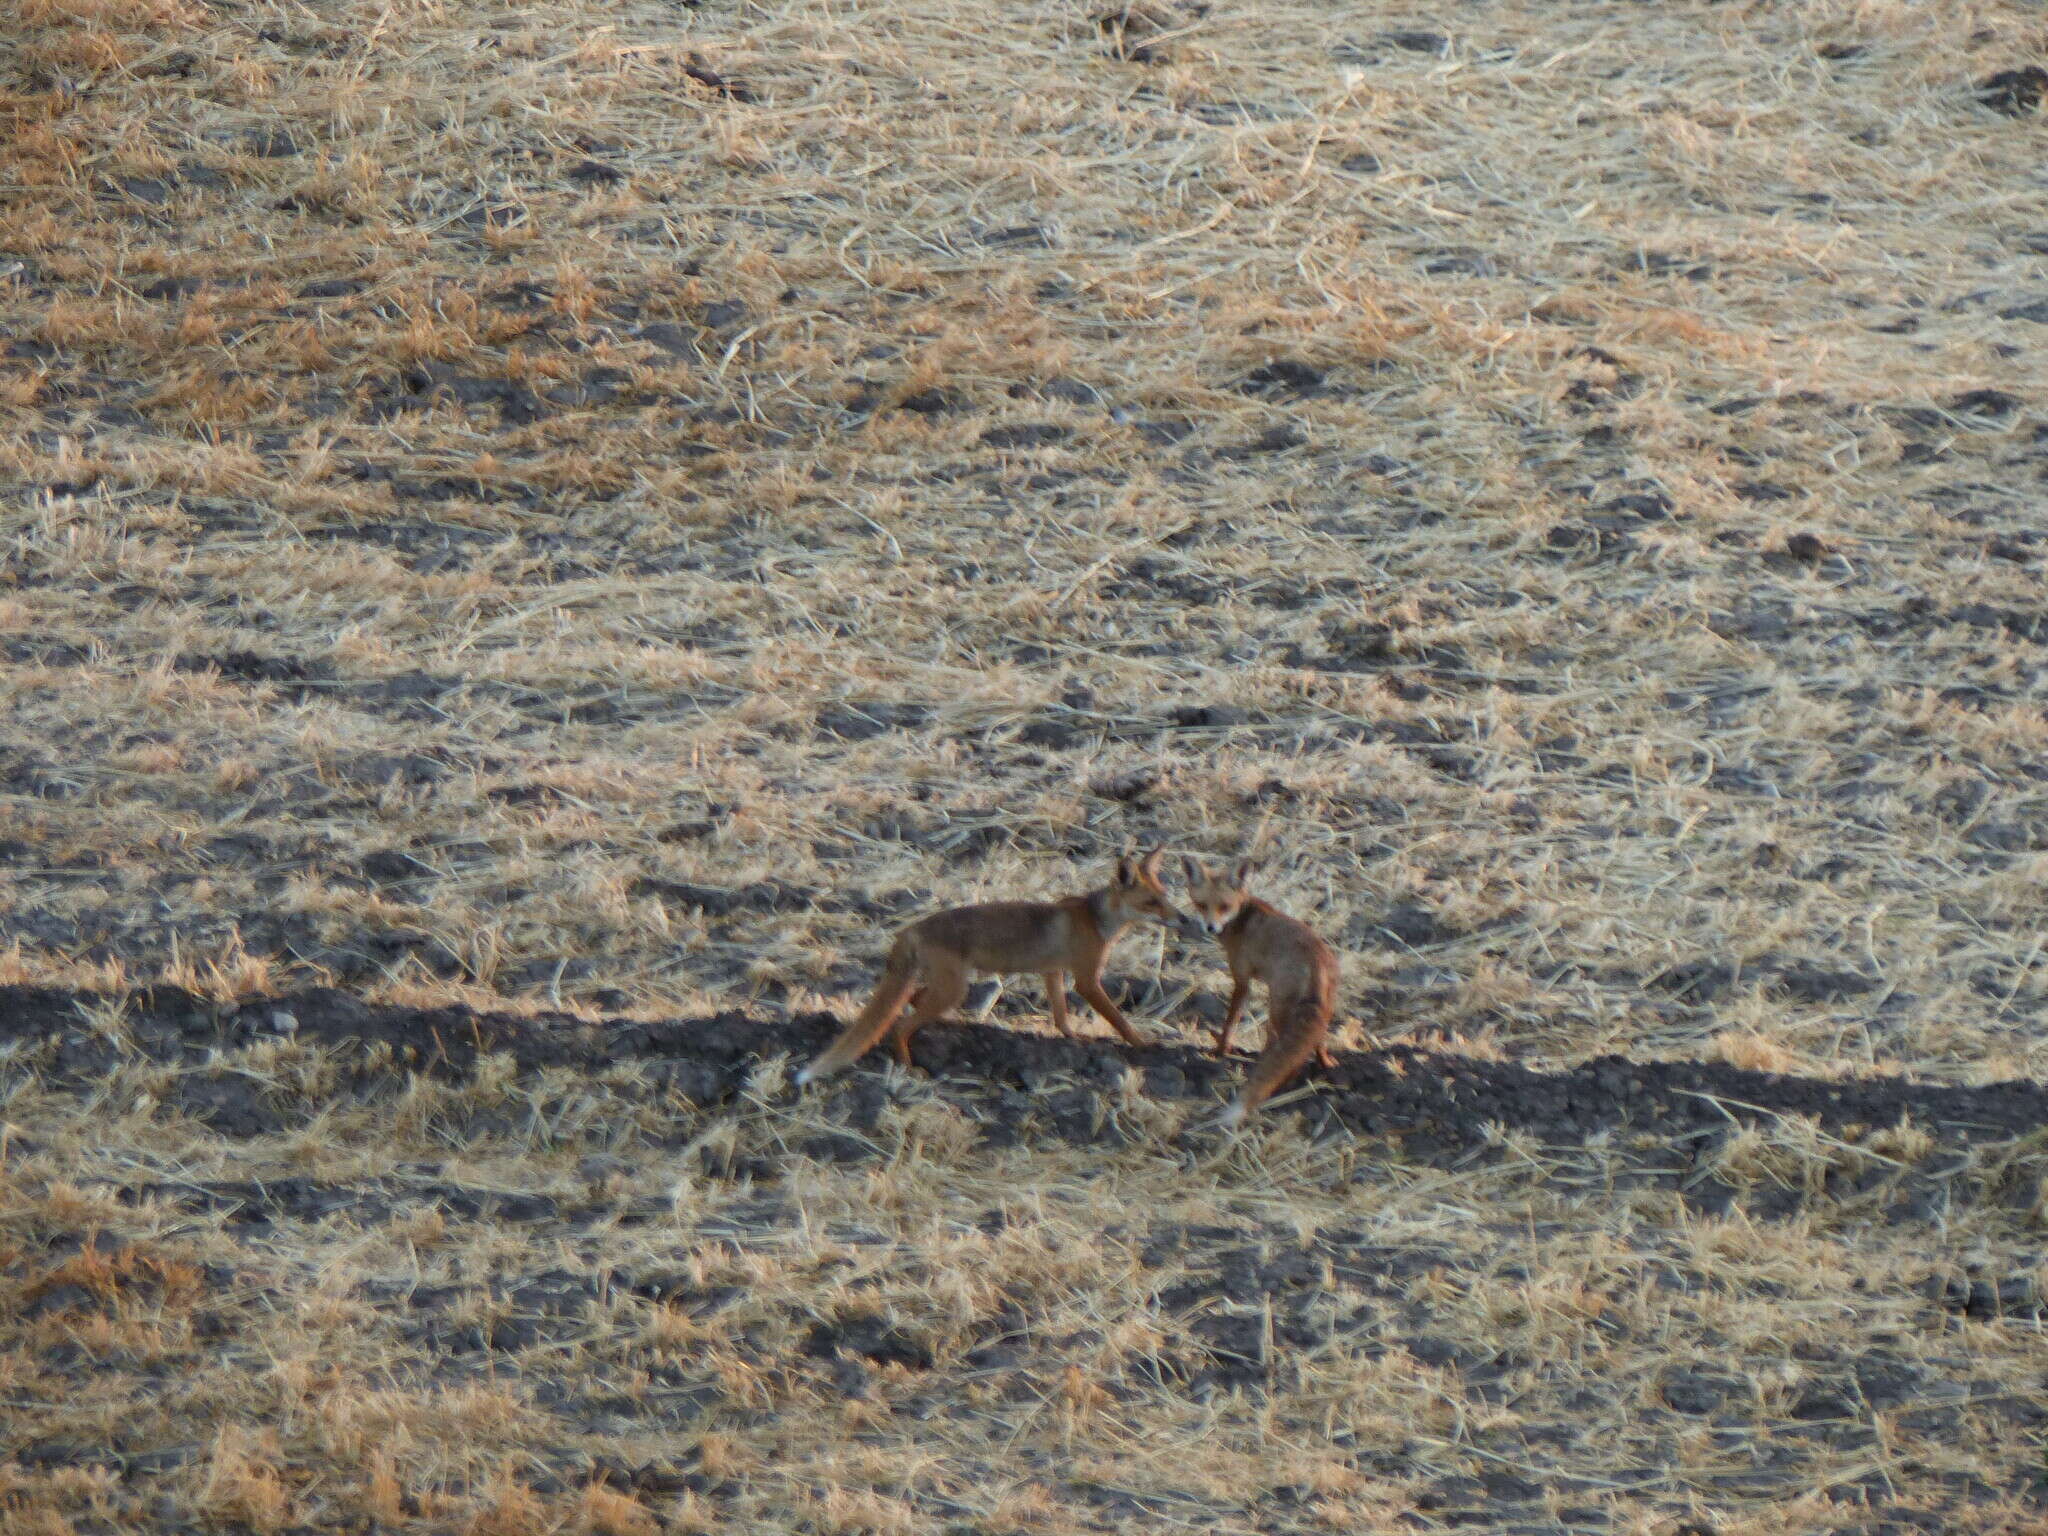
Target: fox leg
(944,991)
(1056,1000)
(899,980)
(1289,1046)
(1240,989)
(1090,988)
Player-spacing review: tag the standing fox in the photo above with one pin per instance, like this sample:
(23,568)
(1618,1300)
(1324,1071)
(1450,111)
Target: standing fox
(1299,970)
(932,958)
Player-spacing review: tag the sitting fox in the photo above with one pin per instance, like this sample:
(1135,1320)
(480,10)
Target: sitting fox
(1299,970)
(932,959)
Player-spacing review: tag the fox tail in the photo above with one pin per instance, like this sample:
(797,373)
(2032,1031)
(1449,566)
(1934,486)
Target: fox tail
(899,980)
(1288,1050)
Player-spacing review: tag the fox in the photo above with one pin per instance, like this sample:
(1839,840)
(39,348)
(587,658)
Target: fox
(931,959)
(1264,944)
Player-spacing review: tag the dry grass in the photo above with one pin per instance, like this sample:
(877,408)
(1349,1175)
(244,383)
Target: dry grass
(1585,466)
(1741,264)
(336,1327)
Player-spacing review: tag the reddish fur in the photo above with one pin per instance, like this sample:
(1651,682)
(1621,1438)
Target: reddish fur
(1264,944)
(935,956)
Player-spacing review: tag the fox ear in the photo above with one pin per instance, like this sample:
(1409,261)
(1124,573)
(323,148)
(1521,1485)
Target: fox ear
(1191,869)
(1123,872)
(1149,865)
(1242,874)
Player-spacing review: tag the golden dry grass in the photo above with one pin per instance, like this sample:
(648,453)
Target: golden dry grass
(447,1312)
(1559,482)
(1745,262)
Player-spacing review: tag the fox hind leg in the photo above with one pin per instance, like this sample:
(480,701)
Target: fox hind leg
(944,991)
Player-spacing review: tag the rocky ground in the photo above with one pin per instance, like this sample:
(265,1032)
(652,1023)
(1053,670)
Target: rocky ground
(525,524)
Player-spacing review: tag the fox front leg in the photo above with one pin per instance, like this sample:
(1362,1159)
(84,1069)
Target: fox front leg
(1090,988)
(1240,989)
(1056,1001)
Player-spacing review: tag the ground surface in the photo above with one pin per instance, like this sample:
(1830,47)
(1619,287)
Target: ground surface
(604,509)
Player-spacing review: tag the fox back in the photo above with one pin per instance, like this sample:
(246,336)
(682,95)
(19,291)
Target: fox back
(930,960)
(996,937)
(1002,936)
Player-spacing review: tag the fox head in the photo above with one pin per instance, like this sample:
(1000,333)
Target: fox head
(1217,896)
(1139,889)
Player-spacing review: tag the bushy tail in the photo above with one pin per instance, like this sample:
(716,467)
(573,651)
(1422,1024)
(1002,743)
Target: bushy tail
(899,980)
(1291,1044)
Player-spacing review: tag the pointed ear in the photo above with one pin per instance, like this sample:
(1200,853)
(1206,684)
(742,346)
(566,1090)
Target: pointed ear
(1190,869)
(1149,865)
(1123,872)
(1242,874)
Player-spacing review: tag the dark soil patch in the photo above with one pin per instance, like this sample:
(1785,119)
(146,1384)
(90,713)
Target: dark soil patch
(1437,1104)
(1027,435)
(2014,92)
